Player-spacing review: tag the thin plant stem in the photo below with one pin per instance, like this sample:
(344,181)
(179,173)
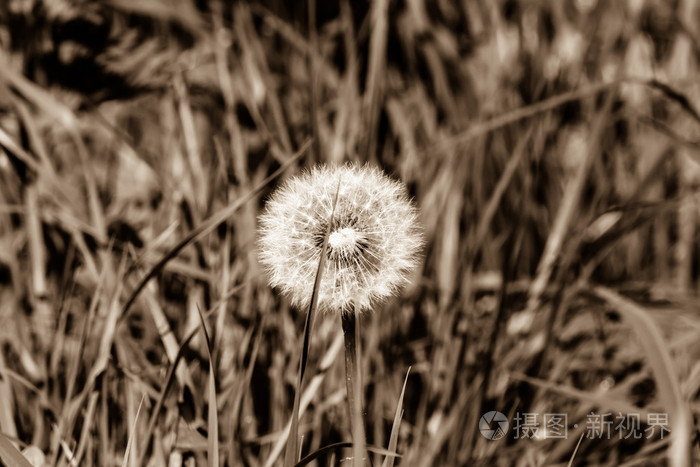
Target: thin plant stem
(351,330)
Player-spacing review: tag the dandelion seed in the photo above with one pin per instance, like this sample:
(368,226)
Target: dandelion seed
(372,247)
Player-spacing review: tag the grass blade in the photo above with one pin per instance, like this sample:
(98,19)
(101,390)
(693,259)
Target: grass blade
(10,455)
(573,455)
(125,461)
(290,454)
(169,378)
(313,386)
(394,436)
(212,417)
(494,201)
(566,214)
(604,401)
(661,365)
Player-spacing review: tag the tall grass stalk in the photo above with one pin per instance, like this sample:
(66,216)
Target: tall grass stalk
(291,453)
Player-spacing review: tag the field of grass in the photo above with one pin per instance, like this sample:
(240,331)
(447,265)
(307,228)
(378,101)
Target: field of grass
(551,147)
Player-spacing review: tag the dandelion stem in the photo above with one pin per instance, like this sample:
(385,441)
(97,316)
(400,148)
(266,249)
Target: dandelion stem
(351,330)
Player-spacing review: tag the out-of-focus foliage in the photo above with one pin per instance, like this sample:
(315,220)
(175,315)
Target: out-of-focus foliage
(549,145)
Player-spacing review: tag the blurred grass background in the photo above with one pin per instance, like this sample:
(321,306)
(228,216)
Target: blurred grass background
(551,146)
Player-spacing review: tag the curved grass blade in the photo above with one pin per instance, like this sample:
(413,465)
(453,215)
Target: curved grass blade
(10,455)
(169,378)
(394,436)
(659,359)
(290,454)
(208,226)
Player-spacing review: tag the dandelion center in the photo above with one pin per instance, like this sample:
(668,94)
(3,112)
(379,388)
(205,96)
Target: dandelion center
(344,240)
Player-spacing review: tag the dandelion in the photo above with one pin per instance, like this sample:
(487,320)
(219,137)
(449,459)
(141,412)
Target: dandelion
(372,247)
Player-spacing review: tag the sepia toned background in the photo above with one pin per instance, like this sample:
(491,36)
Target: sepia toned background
(552,149)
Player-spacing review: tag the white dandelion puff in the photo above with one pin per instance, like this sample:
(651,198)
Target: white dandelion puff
(372,248)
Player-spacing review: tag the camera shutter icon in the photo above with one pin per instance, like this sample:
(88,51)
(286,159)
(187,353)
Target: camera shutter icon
(493,425)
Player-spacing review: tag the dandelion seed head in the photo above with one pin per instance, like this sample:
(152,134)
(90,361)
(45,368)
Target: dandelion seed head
(372,248)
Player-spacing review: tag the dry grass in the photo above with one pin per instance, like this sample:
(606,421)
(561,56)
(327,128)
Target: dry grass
(552,148)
